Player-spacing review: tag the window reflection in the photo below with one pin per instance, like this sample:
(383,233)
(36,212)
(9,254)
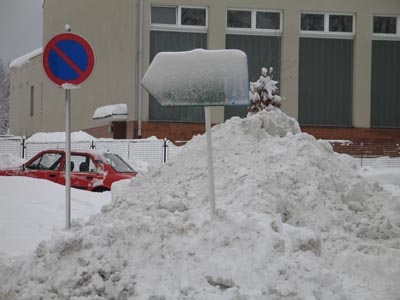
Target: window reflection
(312,22)
(267,20)
(193,16)
(385,25)
(239,19)
(340,23)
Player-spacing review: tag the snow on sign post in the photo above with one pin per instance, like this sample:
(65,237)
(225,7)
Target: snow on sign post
(199,78)
(68,60)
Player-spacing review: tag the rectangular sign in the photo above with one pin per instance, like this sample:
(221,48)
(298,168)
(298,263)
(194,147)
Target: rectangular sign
(198,78)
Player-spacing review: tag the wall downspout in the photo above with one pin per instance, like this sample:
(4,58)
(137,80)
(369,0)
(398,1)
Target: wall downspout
(140,73)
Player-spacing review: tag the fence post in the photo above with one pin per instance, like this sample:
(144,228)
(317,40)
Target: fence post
(165,146)
(362,153)
(23,147)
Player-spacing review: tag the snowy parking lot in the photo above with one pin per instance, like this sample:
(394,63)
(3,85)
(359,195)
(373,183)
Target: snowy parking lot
(295,220)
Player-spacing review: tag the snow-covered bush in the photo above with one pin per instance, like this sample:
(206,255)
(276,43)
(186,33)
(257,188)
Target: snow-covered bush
(263,93)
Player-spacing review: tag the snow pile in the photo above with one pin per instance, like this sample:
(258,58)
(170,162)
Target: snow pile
(139,166)
(295,221)
(10,161)
(32,213)
(381,175)
(43,137)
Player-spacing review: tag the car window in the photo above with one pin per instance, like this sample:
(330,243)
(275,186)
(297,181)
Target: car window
(82,163)
(47,161)
(117,163)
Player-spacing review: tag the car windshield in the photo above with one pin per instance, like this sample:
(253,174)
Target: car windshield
(117,163)
(48,161)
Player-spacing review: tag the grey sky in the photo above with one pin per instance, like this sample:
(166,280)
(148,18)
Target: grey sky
(20,27)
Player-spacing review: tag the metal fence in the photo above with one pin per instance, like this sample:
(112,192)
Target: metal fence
(11,145)
(157,152)
(154,152)
(376,155)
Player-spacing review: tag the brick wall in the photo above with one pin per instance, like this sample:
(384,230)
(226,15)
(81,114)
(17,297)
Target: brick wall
(354,134)
(364,141)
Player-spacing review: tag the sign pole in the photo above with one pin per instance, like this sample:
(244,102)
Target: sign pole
(210,160)
(68,159)
(63,53)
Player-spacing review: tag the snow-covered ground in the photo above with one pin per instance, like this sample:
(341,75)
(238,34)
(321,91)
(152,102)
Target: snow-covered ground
(295,220)
(31,210)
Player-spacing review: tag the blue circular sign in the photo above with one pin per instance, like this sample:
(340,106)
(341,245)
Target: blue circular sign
(68,58)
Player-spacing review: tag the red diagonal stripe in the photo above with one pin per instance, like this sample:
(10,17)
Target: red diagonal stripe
(68,60)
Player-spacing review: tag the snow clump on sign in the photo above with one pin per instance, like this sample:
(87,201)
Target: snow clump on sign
(294,221)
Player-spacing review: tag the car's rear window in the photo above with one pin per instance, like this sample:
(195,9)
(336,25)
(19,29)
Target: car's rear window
(117,163)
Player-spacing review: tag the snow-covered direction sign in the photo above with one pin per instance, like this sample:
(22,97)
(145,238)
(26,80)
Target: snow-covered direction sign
(198,77)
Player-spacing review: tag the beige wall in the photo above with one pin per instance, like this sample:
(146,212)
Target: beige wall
(21,81)
(363,10)
(111,27)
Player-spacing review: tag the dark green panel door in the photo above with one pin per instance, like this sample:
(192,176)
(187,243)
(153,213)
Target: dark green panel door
(325,82)
(161,41)
(385,84)
(261,51)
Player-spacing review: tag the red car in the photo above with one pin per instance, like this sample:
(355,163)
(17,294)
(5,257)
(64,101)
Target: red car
(90,170)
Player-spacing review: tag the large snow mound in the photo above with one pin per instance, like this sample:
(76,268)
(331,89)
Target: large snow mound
(295,221)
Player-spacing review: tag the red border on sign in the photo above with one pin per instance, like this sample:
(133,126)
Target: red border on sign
(52,44)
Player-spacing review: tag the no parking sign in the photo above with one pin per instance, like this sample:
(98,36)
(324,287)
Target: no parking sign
(68,58)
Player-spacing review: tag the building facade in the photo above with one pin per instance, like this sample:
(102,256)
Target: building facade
(337,63)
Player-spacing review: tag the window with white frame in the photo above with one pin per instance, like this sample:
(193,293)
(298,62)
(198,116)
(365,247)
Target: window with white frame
(327,23)
(386,26)
(254,20)
(179,16)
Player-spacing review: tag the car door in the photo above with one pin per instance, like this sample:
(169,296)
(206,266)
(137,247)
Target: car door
(46,166)
(84,172)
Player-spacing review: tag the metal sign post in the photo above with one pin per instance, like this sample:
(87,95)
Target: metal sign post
(210,160)
(68,159)
(68,60)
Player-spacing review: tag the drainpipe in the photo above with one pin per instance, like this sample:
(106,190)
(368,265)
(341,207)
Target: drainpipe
(140,91)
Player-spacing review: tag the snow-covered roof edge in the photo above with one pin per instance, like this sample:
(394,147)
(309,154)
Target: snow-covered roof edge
(115,111)
(20,61)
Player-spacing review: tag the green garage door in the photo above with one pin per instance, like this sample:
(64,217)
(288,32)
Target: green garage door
(385,84)
(325,82)
(261,51)
(161,41)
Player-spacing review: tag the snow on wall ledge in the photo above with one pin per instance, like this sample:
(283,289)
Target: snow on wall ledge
(20,61)
(294,222)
